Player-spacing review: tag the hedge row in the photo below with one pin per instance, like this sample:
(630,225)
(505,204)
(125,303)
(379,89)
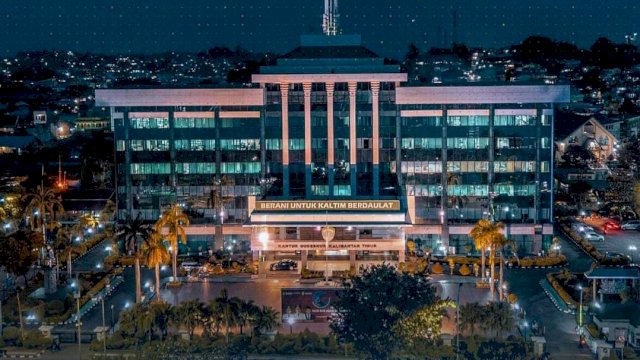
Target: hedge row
(561,291)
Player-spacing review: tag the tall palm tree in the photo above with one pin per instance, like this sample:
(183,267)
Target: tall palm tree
(266,320)
(131,232)
(66,244)
(156,255)
(482,239)
(46,204)
(248,312)
(175,221)
(161,314)
(189,314)
(217,201)
(488,234)
(499,242)
(470,317)
(230,310)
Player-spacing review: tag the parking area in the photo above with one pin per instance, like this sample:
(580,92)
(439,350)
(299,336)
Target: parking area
(621,241)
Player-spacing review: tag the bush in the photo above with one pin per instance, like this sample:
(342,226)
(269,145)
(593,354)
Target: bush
(437,269)
(55,307)
(34,340)
(11,335)
(464,270)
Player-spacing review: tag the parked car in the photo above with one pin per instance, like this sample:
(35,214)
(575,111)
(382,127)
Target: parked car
(189,265)
(611,225)
(228,263)
(581,227)
(616,255)
(284,265)
(630,225)
(592,236)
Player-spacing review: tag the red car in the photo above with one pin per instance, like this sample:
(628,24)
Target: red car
(611,225)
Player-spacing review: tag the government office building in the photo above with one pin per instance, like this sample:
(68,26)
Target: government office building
(333,136)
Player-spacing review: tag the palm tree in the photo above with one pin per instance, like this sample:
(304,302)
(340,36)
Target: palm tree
(65,242)
(89,221)
(230,310)
(248,312)
(488,234)
(131,231)
(156,255)
(176,221)
(189,314)
(498,243)
(266,320)
(161,314)
(470,317)
(40,203)
(481,239)
(217,201)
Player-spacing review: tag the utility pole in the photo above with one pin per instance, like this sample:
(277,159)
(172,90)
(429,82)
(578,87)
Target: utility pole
(77,296)
(458,322)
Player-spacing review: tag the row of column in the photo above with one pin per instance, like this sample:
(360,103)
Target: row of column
(330,88)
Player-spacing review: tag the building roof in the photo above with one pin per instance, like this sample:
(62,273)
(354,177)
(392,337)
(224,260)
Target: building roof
(566,122)
(330,52)
(630,312)
(613,273)
(16,142)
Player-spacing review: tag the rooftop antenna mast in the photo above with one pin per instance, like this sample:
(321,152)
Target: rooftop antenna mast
(330,25)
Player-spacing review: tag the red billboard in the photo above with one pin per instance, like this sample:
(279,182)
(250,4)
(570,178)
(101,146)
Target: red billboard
(308,304)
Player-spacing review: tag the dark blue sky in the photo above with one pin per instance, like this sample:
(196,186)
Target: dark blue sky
(387,26)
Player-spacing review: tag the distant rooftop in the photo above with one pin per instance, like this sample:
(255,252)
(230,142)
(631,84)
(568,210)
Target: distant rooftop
(330,52)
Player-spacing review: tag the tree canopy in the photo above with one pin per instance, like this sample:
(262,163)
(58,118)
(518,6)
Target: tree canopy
(373,304)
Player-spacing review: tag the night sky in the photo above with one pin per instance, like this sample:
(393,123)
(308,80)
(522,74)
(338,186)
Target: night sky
(387,26)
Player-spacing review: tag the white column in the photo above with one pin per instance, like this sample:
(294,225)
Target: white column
(330,143)
(375,91)
(284,92)
(352,125)
(307,123)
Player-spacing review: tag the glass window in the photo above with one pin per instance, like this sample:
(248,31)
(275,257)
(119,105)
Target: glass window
(120,145)
(149,145)
(342,190)
(195,144)
(467,143)
(240,168)
(472,120)
(150,168)
(182,123)
(240,144)
(149,123)
(296,144)
(196,168)
(273,144)
(514,120)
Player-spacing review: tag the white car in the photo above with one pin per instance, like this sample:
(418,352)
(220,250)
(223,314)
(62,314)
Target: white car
(630,225)
(581,227)
(592,236)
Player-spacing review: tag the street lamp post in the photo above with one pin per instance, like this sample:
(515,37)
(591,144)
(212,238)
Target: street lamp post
(458,321)
(581,312)
(112,315)
(77,296)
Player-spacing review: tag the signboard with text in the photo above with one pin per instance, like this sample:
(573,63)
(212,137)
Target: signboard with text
(329,205)
(308,304)
(291,245)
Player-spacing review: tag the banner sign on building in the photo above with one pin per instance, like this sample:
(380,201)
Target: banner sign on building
(329,205)
(292,245)
(308,304)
